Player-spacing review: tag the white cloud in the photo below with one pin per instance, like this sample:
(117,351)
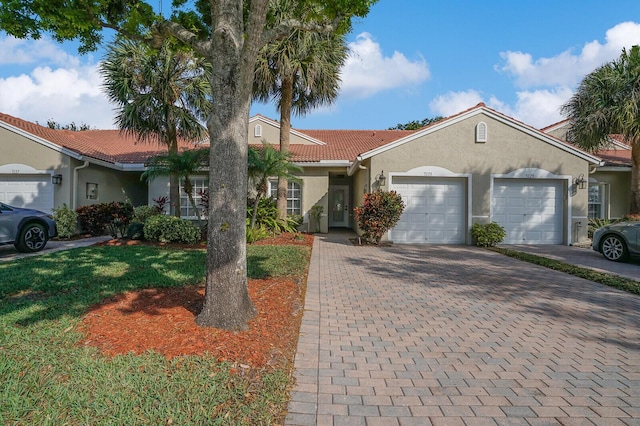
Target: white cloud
(568,68)
(367,71)
(453,102)
(15,51)
(63,87)
(536,108)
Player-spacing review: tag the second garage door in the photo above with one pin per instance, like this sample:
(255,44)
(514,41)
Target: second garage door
(530,210)
(434,210)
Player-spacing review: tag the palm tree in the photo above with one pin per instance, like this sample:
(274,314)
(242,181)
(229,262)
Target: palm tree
(608,102)
(265,163)
(183,165)
(161,96)
(299,72)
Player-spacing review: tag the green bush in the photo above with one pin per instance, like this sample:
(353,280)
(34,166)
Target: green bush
(170,229)
(256,234)
(135,231)
(114,217)
(142,213)
(379,212)
(66,221)
(595,224)
(268,217)
(315,213)
(487,234)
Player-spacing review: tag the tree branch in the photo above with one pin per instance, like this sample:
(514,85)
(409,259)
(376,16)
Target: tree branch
(160,31)
(285,27)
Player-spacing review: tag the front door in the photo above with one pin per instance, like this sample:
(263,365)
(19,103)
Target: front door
(339,206)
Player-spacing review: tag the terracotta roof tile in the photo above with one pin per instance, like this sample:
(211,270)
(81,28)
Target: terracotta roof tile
(111,146)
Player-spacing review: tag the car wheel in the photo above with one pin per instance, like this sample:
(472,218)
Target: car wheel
(613,248)
(33,237)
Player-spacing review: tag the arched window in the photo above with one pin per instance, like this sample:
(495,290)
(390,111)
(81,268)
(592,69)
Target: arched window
(481,132)
(257,131)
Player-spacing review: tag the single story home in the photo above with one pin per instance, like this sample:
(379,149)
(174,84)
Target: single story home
(477,166)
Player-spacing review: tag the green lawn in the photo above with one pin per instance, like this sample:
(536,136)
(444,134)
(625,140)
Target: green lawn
(47,377)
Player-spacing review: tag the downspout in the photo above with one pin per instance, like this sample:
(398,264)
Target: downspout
(75,183)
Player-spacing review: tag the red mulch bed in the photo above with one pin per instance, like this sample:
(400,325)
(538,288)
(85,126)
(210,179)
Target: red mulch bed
(163,320)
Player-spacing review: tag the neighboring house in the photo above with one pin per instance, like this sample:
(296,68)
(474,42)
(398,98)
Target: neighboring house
(43,168)
(476,166)
(609,183)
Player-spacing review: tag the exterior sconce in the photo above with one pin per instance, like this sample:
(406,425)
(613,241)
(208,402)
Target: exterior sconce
(56,179)
(580,181)
(381,178)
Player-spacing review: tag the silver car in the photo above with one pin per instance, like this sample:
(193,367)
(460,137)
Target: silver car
(618,241)
(28,230)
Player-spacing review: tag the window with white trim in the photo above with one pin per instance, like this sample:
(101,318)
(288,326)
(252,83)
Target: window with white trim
(294,195)
(596,200)
(257,131)
(200,184)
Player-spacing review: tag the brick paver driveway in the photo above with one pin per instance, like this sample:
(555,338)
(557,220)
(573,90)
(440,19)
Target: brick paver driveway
(459,335)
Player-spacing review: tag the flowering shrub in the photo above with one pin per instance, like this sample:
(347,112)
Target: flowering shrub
(379,212)
(114,216)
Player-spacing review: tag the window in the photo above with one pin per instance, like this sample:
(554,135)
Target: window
(596,200)
(200,183)
(92,191)
(257,131)
(294,195)
(481,132)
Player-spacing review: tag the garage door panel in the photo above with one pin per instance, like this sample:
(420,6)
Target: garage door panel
(31,191)
(434,211)
(533,211)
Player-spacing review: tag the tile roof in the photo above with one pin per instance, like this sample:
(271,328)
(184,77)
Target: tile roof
(111,146)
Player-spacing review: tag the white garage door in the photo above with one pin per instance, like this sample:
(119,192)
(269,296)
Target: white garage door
(531,211)
(32,191)
(434,210)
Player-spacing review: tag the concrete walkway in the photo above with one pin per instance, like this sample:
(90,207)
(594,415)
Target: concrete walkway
(456,335)
(8,252)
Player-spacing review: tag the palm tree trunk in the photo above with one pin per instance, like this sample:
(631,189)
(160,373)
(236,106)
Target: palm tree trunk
(634,208)
(286,98)
(174,179)
(254,213)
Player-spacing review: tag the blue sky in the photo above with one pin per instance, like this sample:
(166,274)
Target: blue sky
(410,59)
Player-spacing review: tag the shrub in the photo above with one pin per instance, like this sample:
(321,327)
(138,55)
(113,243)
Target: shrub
(160,202)
(135,231)
(595,224)
(256,234)
(66,221)
(142,213)
(170,229)
(630,217)
(379,212)
(487,234)
(315,213)
(97,218)
(268,217)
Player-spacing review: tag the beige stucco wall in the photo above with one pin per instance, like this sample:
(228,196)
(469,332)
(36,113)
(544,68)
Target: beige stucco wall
(618,191)
(113,185)
(506,150)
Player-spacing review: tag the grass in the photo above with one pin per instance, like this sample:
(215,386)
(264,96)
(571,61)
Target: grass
(610,280)
(47,377)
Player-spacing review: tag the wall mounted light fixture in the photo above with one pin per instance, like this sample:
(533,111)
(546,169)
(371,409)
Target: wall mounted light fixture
(580,181)
(56,179)
(381,178)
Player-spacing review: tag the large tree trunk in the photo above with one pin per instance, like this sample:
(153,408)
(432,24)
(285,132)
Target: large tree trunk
(634,208)
(227,304)
(286,97)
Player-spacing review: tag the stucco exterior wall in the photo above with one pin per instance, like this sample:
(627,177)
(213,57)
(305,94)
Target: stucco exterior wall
(618,191)
(113,185)
(507,149)
(271,134)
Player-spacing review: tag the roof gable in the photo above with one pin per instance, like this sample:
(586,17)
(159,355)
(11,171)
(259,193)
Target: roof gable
(480,109)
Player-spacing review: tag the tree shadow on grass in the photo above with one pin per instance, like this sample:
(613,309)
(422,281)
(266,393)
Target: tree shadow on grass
(68,283)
